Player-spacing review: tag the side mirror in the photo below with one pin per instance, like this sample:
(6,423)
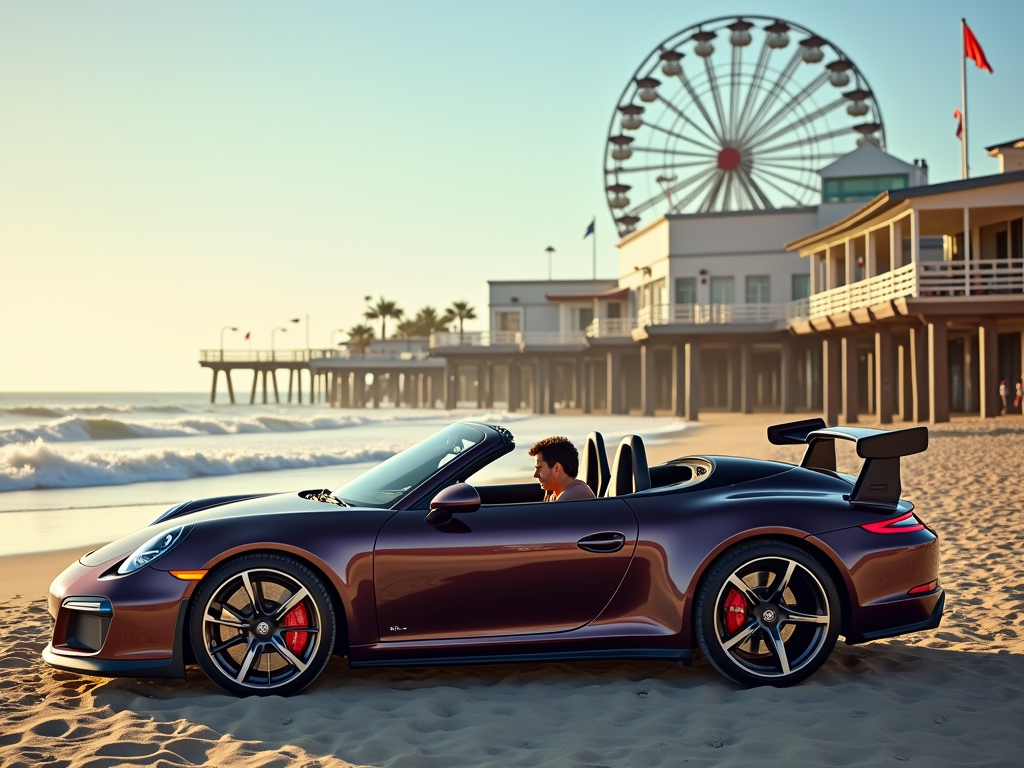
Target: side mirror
(461,497)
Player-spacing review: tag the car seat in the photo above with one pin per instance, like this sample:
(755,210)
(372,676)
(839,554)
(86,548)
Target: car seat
(630,472)
(594,469)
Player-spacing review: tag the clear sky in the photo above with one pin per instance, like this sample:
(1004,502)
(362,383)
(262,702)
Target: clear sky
(169,168)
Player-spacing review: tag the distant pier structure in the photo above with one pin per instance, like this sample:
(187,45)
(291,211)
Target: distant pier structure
(400,372)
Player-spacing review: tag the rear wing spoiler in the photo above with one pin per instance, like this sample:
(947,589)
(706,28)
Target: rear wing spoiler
(879,479)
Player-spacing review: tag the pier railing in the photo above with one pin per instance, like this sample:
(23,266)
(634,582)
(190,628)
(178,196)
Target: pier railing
(291,356)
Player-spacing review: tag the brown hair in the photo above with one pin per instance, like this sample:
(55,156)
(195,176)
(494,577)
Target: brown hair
(558,450)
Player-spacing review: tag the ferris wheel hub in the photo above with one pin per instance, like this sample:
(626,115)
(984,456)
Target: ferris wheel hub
(729,159)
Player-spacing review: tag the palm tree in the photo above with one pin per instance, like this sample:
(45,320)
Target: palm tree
(428,321)
(461,311)
(407,329)
(360,337)
(382,310)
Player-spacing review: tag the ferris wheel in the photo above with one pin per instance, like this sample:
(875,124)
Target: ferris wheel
(741,124)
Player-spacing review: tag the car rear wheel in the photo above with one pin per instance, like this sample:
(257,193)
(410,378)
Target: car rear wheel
(767,614)
(262,625)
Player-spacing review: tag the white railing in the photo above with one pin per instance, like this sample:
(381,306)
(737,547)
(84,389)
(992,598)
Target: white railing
(611,327)
(506,338)
(971,278)
(253,355)
(716,314)
(929,278)
(304,355)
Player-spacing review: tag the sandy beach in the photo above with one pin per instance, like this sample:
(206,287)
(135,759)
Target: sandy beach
(952,696)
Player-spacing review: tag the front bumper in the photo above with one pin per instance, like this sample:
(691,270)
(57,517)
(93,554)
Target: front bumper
(140,632)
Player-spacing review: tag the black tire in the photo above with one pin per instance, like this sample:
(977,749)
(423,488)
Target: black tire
(754,635)
(262,625)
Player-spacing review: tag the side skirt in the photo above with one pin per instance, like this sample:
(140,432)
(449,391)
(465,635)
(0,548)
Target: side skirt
(633,654)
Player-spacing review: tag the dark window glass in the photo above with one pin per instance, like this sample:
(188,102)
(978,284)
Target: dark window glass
(389,481)
(861,189)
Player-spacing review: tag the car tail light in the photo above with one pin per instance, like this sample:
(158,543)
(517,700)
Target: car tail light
(921,589)
(296,617)
(903,524)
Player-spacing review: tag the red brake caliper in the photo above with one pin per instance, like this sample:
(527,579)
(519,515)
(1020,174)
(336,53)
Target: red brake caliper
(296,617)
(735,611)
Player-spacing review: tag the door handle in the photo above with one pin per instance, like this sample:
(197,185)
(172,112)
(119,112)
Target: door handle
(608,541)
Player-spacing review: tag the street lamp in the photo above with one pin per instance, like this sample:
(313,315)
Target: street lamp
(550,251)
(225,328)
(273,355)
(337,330)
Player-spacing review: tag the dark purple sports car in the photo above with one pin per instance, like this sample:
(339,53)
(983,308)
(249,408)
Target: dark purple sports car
(760,564)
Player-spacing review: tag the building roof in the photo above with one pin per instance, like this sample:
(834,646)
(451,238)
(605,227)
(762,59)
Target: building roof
(894,197)
(865,160)
(614,293)
(1011,144)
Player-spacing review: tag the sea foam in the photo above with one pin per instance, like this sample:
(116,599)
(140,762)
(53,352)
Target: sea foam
(38,465)
(74,429)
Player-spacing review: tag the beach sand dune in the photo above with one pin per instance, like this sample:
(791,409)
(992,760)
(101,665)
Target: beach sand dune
(953,696)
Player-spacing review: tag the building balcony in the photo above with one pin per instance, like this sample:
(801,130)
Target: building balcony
(722,314)
(611,328)
(936,279)
(516,339)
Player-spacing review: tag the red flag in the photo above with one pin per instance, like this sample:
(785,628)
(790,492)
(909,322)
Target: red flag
(248,332)
(959,128)
(973,51)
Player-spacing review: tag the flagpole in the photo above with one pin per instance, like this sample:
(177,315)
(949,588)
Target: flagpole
(594,244)
(964,168)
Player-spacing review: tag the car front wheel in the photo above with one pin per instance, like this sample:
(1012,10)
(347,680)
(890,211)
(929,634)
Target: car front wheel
(767,614)
(262,625)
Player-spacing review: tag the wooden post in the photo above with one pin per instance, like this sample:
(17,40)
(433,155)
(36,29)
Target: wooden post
(905,399)
(938,371)
(988,380)
(746,378)
(255,379)
(312,387)
(678,380)
(919,373)
(273,377)
(647,379)
(786,377)
(692,364)
(851,392)
(831,378)
(213,389)
(883,375)
(614,375)
(291,377)
(231,389)
(264,387)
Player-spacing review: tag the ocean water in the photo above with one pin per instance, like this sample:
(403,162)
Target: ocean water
(78,469)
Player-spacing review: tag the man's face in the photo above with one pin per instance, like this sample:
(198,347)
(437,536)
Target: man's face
(544,474)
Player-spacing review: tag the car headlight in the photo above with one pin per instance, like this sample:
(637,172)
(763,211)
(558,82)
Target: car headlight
(155,548)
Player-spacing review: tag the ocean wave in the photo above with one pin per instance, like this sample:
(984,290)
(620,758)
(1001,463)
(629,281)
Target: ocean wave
(75,429)
(38,465)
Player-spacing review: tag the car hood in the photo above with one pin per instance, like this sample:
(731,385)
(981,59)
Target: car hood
(261,505)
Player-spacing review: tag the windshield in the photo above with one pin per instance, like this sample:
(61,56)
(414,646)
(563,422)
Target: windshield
(382,485)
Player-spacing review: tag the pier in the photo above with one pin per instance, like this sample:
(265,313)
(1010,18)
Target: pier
(339,378)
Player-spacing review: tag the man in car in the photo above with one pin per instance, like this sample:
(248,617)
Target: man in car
(557,463)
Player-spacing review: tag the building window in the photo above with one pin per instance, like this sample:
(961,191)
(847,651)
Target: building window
(759,289)
(861,189)
(582,317)
(511,322)
(614,310)
(801,287)
(686,290)
(723,290)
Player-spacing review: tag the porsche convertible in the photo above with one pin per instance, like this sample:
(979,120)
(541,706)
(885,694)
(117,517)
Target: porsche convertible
(761,565)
